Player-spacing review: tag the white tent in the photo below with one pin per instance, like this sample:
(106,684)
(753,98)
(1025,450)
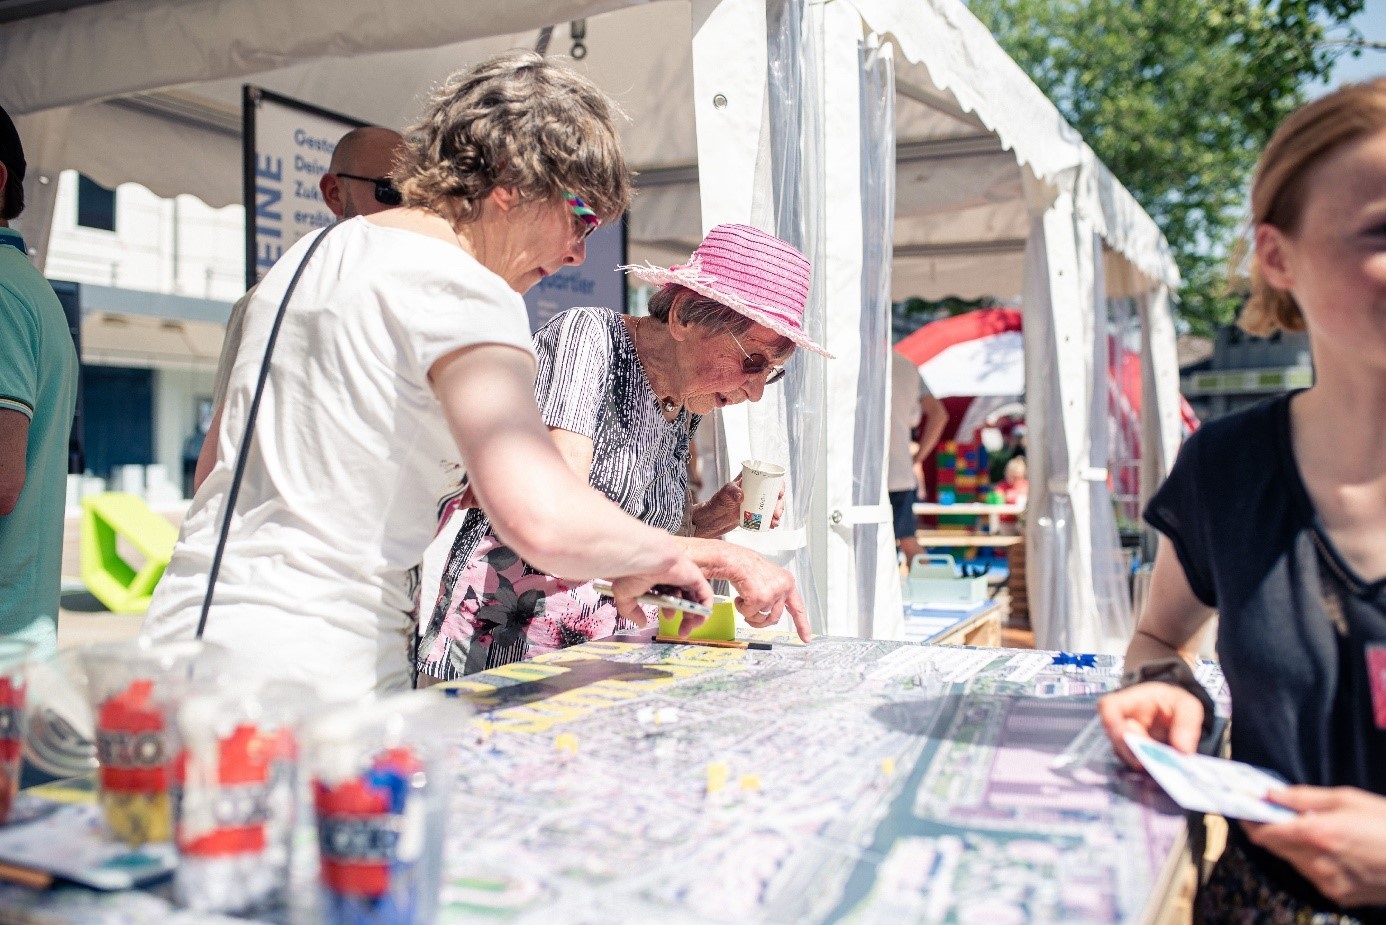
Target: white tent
(891,139)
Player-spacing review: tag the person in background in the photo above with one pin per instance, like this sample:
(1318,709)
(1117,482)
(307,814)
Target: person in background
(1015,487)
(623,397)
(403,376)
(38,394)
(358,182)
(1014,448)
(913,408)
(1291,552)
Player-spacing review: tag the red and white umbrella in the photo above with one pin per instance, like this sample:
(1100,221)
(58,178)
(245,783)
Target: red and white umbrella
(982,354)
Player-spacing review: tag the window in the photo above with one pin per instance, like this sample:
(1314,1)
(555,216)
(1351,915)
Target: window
(95,205)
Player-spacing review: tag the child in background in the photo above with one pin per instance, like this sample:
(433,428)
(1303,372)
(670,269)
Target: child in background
(1015,487)
(1291,551)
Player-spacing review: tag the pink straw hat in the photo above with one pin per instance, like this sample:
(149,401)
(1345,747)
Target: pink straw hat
(749,271)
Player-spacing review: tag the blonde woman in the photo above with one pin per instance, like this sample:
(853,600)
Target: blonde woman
(1276,517)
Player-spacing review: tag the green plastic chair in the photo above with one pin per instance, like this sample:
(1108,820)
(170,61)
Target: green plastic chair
(111,580)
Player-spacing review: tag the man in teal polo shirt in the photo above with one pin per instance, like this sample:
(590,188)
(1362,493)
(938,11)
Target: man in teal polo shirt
(38,392)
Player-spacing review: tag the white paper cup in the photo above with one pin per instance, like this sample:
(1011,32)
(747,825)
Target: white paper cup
(760,487)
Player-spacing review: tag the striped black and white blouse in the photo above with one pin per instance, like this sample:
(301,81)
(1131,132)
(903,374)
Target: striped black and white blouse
(492,608)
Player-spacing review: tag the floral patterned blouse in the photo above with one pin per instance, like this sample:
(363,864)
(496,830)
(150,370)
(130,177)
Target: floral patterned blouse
(492,607)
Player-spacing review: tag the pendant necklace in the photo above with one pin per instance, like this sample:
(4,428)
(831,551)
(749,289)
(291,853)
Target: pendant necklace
(666,404)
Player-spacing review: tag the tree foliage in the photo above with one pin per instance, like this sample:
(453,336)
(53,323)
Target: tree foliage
(913,313)
(1177,97)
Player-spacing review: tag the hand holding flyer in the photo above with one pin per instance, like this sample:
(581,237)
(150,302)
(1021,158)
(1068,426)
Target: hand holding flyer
(1210,785)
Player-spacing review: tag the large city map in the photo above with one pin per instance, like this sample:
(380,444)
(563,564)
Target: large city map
(845,781)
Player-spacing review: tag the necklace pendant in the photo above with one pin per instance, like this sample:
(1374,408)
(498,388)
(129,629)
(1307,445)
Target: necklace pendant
(669,406)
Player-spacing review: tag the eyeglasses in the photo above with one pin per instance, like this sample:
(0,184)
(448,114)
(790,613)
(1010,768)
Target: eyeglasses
(584,213)
(385,192)
(756,363)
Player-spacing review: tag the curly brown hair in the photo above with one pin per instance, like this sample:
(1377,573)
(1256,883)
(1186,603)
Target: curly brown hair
(517,121)
(1301,142)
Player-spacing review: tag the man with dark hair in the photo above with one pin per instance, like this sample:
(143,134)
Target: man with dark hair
(357,182)
(38,393)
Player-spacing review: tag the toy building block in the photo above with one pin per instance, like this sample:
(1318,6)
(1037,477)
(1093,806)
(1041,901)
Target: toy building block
(720,626)
(107,518)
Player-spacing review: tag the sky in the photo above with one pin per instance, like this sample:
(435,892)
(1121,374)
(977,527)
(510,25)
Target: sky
(1371,22)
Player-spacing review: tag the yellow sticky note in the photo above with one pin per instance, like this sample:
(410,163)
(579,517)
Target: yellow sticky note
(717,776)
(887,766)
(750,781)
(566,742)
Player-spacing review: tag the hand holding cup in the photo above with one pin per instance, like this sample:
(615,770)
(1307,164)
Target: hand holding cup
(762,485)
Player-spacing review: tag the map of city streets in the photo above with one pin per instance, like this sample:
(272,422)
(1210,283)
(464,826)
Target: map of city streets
(845,781)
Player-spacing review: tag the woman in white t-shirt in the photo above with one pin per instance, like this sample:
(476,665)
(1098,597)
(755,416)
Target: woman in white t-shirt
(403,364)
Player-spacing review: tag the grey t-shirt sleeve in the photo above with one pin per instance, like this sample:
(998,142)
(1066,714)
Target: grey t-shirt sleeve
(230,346)
(19,369)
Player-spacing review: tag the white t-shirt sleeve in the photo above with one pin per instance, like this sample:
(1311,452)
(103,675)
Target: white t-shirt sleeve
(447,310)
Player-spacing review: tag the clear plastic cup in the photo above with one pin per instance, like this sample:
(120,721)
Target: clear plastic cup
(134,689)
(59,734)
(14,663)
(235,785)
(380,785)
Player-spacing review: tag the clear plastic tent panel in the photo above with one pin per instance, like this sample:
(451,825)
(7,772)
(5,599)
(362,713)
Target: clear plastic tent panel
(878,220)
(1124,434)
(788,421)
(1111,590)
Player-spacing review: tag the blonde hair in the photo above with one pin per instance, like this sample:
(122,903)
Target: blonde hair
(1016,468)
(1301,142)
(517,121)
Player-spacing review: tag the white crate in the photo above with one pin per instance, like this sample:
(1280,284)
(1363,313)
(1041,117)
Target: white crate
(934,580)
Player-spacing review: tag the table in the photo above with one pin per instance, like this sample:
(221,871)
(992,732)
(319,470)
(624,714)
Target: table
(978,627)
(959,538)
(851,779)
(993,512)
(872,781)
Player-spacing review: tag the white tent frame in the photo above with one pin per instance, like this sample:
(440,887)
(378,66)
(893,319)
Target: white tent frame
(132,70)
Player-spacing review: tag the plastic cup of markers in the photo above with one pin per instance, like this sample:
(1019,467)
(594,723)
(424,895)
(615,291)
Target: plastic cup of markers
(235,785)
(14,662)
(380,787)
(134,689)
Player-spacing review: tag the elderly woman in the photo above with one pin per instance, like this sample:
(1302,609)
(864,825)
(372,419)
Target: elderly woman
(622,397)
(403,364)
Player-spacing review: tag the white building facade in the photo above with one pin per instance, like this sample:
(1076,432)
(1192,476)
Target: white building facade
(155,279)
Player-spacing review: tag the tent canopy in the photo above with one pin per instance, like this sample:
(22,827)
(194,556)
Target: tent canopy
(983,189)
(157,102)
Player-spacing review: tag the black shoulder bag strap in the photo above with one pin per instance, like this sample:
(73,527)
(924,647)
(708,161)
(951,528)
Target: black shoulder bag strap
(244,452)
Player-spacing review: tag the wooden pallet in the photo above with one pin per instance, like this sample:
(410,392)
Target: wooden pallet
(1015,584)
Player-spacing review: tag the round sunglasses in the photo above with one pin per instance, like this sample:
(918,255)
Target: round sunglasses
(754,364)
(385,192)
